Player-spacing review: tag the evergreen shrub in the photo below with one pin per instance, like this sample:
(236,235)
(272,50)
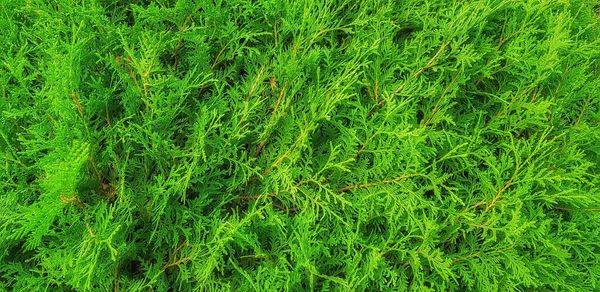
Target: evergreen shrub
(288,145)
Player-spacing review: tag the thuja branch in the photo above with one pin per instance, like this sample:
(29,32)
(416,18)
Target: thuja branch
(378,183)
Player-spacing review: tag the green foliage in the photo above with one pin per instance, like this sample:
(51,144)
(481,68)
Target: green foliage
(299,145)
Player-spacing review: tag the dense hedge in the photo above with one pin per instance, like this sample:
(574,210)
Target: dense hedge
(299,145)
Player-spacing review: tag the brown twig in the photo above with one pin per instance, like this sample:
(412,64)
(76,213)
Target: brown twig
(379,183)
(77,103)
(116,281)
(271,194)
(275,108)
(276,163)
(292,209)
(255,197)
(176,263)
(376,91)
(436,108)
(73,199)
(216,61)
(175,54)
(360,151)
(256,82)
(498,194)
(481,203)
(433,60)
(418,73)
(583,109)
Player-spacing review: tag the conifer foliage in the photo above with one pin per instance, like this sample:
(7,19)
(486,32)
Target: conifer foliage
(281,145)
